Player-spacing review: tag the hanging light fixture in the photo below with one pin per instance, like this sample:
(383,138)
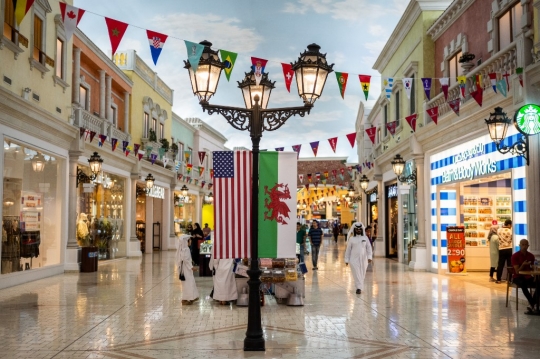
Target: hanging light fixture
(311,71)
(351,191)
(184,190)
(497,124)
(149,181)
(210,197)
(364,182)
(95,162)
(250,90)
(38,163)
(398,164)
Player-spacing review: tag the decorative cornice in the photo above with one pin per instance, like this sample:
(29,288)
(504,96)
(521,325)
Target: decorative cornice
(448,17)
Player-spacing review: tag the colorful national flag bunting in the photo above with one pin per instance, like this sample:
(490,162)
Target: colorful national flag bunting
(280,148)
(411,120)
(519,72)
(21,8)
(124,145)
(202,154)
(296,148)
(371,132)
(342,82)
(333,143)
(82,131)
(288,74)
(502,86)
(407,85)
(189,167)
(364,83)
(258,65)
(156,42)
(391,126)
(493,79)
(388,83)
(102,139)
(314,147)
(71,16)
(301,178)
(229,58)
(462,81)
(454,105)
(92,135)
(116,29)
(445,84)
(194,52)
(433,113)
(114,143)
(352,138)
(426,82)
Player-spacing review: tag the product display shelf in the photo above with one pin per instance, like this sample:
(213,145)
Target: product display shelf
(479,214)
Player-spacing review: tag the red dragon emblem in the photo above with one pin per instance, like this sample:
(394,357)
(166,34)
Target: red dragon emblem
(277,209)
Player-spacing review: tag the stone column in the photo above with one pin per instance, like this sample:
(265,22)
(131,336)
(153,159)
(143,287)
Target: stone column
(166,220)
(533,196)
(172,235)
(72,248)
(76,75)
(134,246)
(108,98)
(380,245)
(126,112)
(102,91)
(419,253)
(149,220)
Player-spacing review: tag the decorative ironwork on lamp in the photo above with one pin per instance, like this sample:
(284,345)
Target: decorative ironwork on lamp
(38,163)
(364,183)
(497,124)
(95,161)
(149,182)
(398,164)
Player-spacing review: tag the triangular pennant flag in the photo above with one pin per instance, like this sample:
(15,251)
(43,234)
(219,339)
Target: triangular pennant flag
(102,139)
(189,166)
(388,83)
(478,82)
(165,161)
(296,148)
(187,155)
(288,74)
(124,145)
(342,78)
(411,120)
(318,176)
(179,177)
(314,147)
(161,152)
(258,65)
(462,80)
(114,143)
(371,132)
(426,82)
(454,105)
(201,171)
(501,85)
(203,183)
(433,113)
(309,177)
(352,138)
(334,173)
(323,181)
(149,151)
(444,84)
(301,178)
(478,95)
(407,85)
(364,83)
(202,154)
(21,8)
(194,52)
(506,75)
(117,29)
(70,18)
(177,165)
(493,79)
(229,58)
(307,186)
(333,143)
(127,150)
(136,147)
(82,130)
(519,72)
(325,174)
(280,148)
(156,42)
(92,134)
(391,126)
(140,154)
(153,157)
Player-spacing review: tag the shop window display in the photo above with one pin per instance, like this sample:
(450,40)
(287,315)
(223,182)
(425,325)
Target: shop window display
(101,215)
(184,212)
(31,216)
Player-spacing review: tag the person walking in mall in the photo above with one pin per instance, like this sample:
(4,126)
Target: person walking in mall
(505,247)
(359,254)
(493,240)
(224,282)
(300,241)
(522,260)
(185,268)
(335,231)
(197,235)
(315,235)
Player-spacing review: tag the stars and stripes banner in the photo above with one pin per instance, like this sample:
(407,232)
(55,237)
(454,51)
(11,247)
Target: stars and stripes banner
(232,204)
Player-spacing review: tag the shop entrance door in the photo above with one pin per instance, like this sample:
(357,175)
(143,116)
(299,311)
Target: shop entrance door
(392,212)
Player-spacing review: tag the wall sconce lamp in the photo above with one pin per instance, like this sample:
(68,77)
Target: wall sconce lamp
(398,164)
(95,161)
(149,182)
(364,183)
(38,163)
(184,190)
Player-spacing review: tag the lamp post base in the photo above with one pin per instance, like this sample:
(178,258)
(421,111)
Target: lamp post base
(254,340)
(254,345)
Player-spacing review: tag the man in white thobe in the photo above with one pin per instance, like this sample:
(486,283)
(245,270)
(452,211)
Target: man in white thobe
(359,254)
(224,282)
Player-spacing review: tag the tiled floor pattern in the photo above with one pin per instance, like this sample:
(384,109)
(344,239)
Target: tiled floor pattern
(132,309)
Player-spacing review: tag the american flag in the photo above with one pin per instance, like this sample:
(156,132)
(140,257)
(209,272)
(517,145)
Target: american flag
(232,204)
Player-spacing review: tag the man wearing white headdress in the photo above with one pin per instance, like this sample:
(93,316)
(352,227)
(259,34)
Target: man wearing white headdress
(359,254)
(183,262)
(224,282)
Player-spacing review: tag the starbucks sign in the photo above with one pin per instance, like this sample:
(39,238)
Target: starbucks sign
(527,119)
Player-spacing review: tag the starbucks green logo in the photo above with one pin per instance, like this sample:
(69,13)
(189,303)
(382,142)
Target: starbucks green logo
(527,119)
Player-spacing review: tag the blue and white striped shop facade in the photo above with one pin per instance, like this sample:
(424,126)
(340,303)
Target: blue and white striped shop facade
(474,160)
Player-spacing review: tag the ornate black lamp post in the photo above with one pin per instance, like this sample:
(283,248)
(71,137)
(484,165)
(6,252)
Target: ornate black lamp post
(95,161)
(311,71)
(398,164)
(149,182)
(364,183)
(497,124)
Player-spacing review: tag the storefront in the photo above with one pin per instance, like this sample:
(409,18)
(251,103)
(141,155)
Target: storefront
(33,209)
(153,220)
(408,203)
(373,211)
(101,212)
(184,211)
(475,186)
(392,218)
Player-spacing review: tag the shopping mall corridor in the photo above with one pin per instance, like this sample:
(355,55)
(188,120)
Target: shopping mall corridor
(132,309)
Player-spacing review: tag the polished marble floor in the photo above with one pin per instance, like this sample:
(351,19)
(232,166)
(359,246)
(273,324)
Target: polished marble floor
(132,308)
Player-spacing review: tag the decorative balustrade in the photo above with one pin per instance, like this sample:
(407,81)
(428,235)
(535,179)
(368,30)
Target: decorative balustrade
(505,61)
(99,125)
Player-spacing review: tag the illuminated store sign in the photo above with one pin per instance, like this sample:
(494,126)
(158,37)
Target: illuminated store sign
(527,120)
(156,192)
(465,168)
(373,197)
(467,154)
(392,191)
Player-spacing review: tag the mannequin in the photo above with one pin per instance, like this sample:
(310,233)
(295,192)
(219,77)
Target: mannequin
(82,230)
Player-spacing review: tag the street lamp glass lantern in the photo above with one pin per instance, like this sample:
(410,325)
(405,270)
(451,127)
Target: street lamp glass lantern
(497,124)
(351,191)
(398,164)
(311,71)
(250,90)
(205,80)
(95,162)
(184,190)
(210,197)
(149,181)
(38,163)
(364,182)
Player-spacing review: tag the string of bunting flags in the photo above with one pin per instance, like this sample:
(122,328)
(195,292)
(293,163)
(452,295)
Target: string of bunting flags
(71,16)
(315,145)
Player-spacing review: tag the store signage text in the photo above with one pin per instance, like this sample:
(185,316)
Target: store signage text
(469,153)
(392,191)
(156,192)
(470,170)
(373,197)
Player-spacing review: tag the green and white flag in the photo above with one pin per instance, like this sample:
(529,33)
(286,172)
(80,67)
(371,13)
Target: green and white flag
(277,204)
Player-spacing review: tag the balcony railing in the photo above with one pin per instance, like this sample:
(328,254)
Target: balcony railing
(99,125)
(501,62)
